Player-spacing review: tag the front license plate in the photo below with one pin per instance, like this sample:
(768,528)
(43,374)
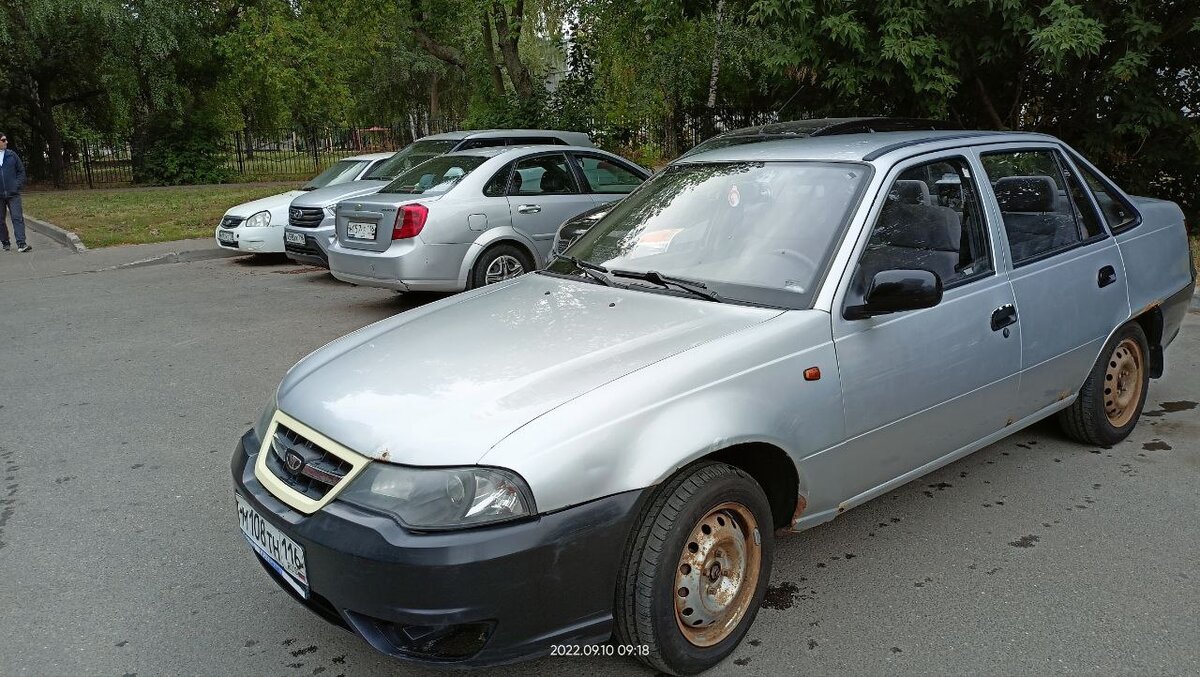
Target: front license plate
(226,236)
(282,553)
(357,230)
(294,238)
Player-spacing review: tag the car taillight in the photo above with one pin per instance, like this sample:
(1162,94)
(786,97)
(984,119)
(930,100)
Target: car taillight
(409,221)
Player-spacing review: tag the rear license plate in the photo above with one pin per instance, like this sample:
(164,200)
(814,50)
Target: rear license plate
(226,236)
(284,555)
(294,238)
(357,230)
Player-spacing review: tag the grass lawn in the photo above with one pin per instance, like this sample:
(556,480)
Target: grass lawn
(104,218)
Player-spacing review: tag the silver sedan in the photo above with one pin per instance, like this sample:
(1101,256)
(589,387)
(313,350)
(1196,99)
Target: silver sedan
(467,219)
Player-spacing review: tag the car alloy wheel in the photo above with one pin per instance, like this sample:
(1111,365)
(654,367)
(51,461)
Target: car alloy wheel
(503,267)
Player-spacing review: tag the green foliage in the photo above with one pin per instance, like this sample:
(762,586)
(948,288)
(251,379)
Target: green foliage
(182,152)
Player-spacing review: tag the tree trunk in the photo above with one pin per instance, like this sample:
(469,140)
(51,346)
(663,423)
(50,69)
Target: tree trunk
(716,58)
(48,127)
(988,106)
(434,106)
(508,32)
(490,51)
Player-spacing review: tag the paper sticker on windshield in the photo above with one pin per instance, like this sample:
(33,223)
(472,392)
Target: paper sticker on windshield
(654,242)
(735,196)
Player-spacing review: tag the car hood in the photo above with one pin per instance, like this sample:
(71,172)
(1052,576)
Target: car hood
(442,384)
(331,195)
(273,203)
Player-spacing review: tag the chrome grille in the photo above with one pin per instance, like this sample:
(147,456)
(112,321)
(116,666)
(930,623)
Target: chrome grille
(305,217)
(303,466)
(231,221)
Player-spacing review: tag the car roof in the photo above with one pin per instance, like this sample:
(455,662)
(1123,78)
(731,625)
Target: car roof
(370,156)
(510,152)
(854,147)
(501,133)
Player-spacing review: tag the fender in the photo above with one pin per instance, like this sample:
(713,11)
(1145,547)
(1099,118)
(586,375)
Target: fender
(490,237)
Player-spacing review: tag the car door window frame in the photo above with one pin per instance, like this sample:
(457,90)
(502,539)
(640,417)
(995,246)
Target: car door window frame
(1056,152)
(844,294)
(1082,166)
(570,172)
(576,160)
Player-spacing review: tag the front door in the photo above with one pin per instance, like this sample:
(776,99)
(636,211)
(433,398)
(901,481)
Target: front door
(542,194)
(920,385)
(1066,271)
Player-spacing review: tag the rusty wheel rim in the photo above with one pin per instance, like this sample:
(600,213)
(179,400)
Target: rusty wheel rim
(1123,382)
(717,574)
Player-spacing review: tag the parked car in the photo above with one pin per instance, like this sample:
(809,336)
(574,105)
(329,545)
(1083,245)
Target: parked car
(470,218)
(799,129)
(574,228)
(761,337)
(257,226)
(310,229)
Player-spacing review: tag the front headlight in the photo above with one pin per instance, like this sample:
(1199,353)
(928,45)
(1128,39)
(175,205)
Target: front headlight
(441,498)
(331,210)
(259,220)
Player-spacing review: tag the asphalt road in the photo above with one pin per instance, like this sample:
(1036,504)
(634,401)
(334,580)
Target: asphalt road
(122,393)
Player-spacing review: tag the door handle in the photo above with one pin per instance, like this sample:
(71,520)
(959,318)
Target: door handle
(529,209)
(1106,276)
(1004,316)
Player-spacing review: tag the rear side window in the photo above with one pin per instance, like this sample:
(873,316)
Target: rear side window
(1117,212)
(536,141)
(1042,212)
(470,144)
(498,185)
(931,220)
(605,176)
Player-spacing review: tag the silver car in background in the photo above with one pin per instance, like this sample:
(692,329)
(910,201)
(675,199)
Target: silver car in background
(760,338)
(471,218)
(310,223)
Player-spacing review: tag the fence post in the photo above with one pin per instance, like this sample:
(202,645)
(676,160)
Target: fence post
(87,163)
(237,142)
(315,151)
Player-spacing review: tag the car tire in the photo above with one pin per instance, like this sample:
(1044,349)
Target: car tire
(710,524)
(497,263)
(1111,399)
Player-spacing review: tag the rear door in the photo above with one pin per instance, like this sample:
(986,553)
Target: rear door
(1066,271)
(605,178)
(542,194)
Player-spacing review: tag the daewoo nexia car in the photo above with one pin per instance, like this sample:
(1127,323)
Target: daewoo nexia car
(471,218)
(310,224)
(257,226)
(761,337)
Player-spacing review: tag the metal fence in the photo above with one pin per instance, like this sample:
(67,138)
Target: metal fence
(296,155)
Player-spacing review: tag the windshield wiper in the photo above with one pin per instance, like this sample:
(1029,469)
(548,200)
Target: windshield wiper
(596,272)
(694,287)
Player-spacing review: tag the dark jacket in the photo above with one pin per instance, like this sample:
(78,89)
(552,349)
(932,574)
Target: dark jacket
(12,175)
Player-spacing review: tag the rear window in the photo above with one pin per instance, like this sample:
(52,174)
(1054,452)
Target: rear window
(435,176)
(410,156)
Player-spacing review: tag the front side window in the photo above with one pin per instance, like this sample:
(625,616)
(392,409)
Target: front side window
(755,232)
(410,156)
(340,172)
(543,175)
(1042,212)
(607,177)
(930,220)
(435,176)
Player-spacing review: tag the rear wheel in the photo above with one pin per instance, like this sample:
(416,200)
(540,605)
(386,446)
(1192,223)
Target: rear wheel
(696,569)
(1111,400)
(500,262)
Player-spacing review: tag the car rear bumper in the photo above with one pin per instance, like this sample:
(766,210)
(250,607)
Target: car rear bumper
(406,265)
(474,597)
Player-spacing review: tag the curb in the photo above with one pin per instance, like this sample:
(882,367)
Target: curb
(179,257)
(60,235)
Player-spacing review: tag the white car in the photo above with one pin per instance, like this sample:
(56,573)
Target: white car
(257,226)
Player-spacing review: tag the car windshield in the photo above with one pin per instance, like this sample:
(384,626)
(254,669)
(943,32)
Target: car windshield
(435,176)
(341,172)
(729,141)
(755,232)
(412,155)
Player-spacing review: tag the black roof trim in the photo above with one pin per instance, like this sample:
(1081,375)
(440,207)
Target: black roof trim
(879,152)
(864,125)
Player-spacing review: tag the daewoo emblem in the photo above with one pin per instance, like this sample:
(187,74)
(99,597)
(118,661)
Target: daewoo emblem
(294,462)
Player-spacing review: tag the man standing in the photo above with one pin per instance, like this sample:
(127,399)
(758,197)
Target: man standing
(12,180)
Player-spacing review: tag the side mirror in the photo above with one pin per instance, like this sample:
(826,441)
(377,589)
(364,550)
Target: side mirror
(892,291)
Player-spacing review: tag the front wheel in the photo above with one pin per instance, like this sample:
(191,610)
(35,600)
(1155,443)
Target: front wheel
(1111,400)
(696,569)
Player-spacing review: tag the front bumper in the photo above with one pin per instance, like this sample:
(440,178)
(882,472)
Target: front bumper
(264,240)
(516,588)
